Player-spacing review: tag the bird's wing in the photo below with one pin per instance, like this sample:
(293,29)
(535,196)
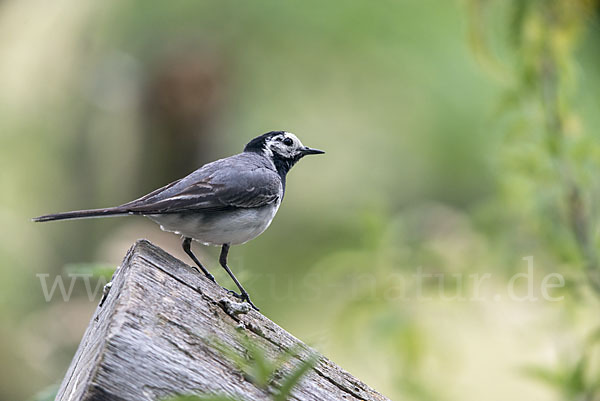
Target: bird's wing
(213,190)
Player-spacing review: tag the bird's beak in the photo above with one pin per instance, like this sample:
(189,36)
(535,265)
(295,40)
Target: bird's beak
(311,151)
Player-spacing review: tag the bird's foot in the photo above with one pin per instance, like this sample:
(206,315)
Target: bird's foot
(244,297)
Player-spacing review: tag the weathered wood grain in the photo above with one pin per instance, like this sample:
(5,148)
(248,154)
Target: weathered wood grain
(154,337)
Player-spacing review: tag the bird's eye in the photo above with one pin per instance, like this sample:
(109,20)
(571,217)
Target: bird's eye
(288,142)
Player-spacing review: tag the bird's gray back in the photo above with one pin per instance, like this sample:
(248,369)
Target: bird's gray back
(243,180)
(230,200)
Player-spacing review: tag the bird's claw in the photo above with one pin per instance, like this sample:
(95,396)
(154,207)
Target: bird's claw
(243,297)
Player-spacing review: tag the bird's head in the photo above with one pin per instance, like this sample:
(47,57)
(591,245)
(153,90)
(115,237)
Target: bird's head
(280,146)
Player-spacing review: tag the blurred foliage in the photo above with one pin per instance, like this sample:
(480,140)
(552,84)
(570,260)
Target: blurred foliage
(551,159)
(431,167)
(95,270)
(576,378)
(551,156)
(47,394)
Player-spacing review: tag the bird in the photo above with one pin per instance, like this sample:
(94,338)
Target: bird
(227,202)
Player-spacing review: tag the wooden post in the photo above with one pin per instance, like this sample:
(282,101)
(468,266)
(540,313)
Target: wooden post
(154,336)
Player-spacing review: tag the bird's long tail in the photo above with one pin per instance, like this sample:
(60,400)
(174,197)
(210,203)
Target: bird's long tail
(84,214)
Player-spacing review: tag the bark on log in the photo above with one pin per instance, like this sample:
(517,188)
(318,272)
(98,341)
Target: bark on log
(154,337)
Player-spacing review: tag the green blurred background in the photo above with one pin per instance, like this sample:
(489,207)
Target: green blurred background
(461,136)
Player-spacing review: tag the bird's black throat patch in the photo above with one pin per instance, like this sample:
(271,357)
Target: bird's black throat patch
(283,166)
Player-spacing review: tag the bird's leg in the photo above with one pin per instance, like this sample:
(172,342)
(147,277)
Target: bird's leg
(187,242)
(243,295)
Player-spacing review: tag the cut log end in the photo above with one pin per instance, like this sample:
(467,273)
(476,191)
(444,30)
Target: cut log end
(165,329)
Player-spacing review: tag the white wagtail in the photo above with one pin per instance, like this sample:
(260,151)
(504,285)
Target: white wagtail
(227,202)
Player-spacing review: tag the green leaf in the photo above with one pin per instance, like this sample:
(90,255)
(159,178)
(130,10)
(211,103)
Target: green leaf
(294,377)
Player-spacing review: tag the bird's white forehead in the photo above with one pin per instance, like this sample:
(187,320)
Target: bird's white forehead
(294,138)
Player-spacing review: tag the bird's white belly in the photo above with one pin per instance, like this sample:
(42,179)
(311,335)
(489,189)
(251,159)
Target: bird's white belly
(218,228)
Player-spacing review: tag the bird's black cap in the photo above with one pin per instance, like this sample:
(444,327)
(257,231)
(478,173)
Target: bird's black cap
(258,143)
